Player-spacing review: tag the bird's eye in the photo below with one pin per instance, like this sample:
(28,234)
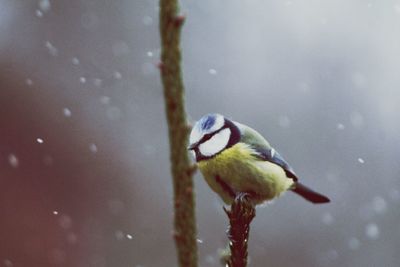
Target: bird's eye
(206,137)
(210,135)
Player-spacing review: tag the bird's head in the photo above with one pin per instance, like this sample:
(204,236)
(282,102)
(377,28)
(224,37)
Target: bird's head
(211,135)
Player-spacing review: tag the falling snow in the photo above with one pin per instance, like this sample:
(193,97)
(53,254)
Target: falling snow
(372,231)
(39,13)
(29,82)
(327,218)
(51,48)
(340,126)
(379,205)
(93,148)
(8,263)
(117,75)
(67,112)
(212,71)
(75,61)
(44,5)
(13,160)
(104,73)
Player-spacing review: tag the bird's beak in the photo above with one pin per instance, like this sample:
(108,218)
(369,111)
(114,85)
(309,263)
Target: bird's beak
(192,146)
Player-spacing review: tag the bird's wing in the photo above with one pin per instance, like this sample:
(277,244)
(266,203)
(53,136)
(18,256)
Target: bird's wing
(263,149)
(273,156)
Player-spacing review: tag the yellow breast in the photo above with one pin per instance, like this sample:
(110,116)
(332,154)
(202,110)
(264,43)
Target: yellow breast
(239,169)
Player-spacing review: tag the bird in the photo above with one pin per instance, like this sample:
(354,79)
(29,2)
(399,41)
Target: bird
(236,159)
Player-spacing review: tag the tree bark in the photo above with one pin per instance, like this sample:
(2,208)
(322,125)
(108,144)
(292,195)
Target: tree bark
(182,169)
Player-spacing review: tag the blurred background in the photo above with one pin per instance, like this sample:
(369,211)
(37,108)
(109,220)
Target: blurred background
(84,161)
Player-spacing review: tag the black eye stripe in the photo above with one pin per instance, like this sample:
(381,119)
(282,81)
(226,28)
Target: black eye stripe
(207,137)
(233,139)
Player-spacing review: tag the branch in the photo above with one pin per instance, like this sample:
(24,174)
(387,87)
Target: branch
(240,216)
(181,167)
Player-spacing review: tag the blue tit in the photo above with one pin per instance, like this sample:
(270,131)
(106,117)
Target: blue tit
(235,158)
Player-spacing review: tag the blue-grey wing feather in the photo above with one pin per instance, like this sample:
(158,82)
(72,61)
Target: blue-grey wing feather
(271,155)
(263,149)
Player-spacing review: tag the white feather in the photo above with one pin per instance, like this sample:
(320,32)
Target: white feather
(193,154)
(216,143)
(197,133)
(195,136)
(219,122)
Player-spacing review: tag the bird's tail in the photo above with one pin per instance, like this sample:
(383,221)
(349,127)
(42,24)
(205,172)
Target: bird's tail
(309,194)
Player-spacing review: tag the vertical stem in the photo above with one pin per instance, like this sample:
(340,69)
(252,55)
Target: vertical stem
(182,170)
(240,215)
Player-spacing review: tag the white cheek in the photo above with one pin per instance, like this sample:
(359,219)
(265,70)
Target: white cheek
(195,136)
(219,122)
(193,154)
(215,144)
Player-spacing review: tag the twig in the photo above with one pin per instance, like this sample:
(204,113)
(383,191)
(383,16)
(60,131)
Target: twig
(182,170)
(240,215)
